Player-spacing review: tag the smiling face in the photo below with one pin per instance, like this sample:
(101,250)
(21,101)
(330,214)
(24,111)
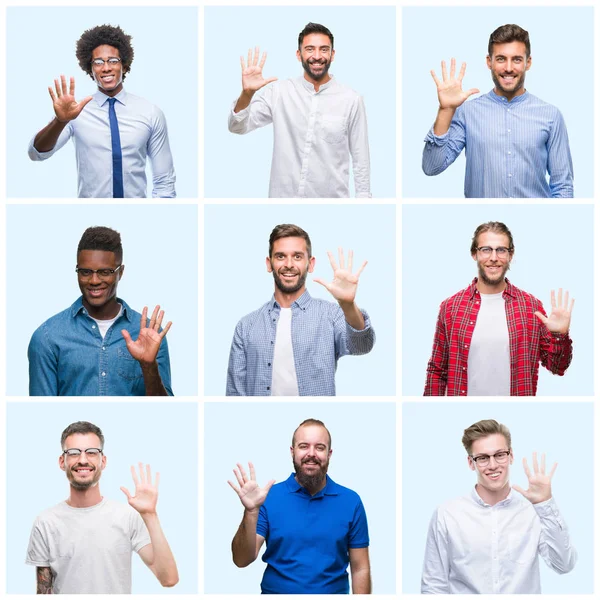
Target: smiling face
(83,471)
(290,264)
(108,78)
(316,55)
(310,455)
(493,478)
(99,293)
(492,269)
(508,64)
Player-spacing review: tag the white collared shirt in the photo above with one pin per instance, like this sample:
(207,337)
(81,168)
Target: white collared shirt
(314,134)
(475,548)
(143,133)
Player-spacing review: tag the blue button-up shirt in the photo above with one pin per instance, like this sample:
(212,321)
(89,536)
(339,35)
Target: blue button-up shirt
(509,146)
(68,357)
(309,537)
(320,336)
(143,133)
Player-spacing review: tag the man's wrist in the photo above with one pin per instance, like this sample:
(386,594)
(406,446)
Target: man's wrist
(148,367)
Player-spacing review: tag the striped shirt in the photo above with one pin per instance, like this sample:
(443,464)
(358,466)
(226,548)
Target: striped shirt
(509,146)
(320,336)
(529,339)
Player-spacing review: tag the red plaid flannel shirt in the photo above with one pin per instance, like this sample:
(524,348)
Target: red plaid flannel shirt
(530,343)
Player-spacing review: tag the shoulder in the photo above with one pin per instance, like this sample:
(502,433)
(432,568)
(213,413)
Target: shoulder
(54,513)
(346,493)
(55,323)
(456,299)
(452,508)
(524,297)
(248,320)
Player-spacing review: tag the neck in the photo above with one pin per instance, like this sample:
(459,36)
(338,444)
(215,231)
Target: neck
(509,95)
(111,93)
(490,288)
(493,497)
(105,312)
(84,498)
(286,300)
(317,84)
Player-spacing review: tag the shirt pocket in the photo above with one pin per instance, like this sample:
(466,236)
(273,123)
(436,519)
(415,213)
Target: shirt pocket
(333,129)
(522,547)
(127,367)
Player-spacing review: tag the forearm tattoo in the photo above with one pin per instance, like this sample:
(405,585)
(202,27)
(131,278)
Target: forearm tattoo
(44,580)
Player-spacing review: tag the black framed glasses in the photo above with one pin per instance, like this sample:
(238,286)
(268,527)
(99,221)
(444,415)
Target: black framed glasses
(501,251)
(102,273)
(89,452)
(99,62)
(483,460)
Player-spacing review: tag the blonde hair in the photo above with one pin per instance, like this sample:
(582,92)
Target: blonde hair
(483,429)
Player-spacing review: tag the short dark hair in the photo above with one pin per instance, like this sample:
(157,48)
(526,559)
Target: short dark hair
(101,238)
(495,227)
(288,230)
(100,36)
(81,427)
(509,33)
(314,28)
(483,429)
(311,422)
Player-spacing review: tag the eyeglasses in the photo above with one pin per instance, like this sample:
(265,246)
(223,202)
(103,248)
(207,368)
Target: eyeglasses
(112,61)
(501,251)
(483,460)
(102,273)
(90,452)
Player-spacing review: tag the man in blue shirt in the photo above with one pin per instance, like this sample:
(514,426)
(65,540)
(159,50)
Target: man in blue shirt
(79,351)
(114,132)
(290,346)
(511,138)
(313,527)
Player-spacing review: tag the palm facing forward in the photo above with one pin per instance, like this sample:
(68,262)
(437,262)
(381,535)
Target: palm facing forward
(560,317)
(539,489)
(249,492)
(252,77)
(145,348)
(66,108)
(146,494)
(344,284)
(450,92)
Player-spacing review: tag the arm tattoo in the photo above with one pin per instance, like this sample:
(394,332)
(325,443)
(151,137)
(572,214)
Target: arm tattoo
(44,580)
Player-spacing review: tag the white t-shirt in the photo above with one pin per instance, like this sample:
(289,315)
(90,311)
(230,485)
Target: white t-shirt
(88,549)
(489,355)
(285,380)
(105,324)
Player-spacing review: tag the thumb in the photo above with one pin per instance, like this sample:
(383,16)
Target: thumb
(471,92)
(519,489)
(270,80)
(541,316)
(323,283)
(85,101)
(269,486)
(126,492)
(126,335)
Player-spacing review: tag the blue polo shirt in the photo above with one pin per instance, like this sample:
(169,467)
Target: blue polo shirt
(308,537)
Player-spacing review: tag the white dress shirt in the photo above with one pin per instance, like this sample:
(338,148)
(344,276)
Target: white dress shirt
(314,132)
(143,133)
(475,548)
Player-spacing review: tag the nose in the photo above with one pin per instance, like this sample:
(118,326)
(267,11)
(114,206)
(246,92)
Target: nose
(493,462)
(95,278)
(288,261)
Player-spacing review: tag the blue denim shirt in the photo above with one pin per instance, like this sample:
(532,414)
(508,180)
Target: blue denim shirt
(68,357)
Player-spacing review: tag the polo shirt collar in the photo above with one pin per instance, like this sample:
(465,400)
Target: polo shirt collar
(502,100)
(101,98)
(294,487)
(478,500)
(509,290)
(302,302)
(77,307)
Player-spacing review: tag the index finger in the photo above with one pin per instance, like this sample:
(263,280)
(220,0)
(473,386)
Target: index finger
(144,318)
(536,467)
(362,267)
(463,69)
(252,471)
(63,84)
(142,476)
(149,474)
(341,257)
(135,477)
(332,261)
(437,81)
(165,330)
(72,86)
(262,60)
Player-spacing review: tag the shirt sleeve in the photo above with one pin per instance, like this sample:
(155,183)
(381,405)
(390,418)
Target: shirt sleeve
(436,566)
(43,365)
(349,340)
(257,114)
(560,165)
(441,151)
(556,349)
(164,366)
(63,138)
(159,153)
(236,371)
(262,525)
(38,552)
(555,544)
(358,140)
(139,535)
(437,367)
(359,530)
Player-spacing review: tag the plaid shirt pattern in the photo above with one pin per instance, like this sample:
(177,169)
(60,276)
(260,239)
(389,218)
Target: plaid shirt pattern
(529,339)
(320,336)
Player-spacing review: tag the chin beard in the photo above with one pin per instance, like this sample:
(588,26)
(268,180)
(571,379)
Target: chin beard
(326,66)
(489,281)
(311,482)
(499,85)
(289,289)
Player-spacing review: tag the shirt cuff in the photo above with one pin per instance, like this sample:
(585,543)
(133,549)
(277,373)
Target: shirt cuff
(367,323)
(240,114)
(548,508)
(35,154)
(436,140)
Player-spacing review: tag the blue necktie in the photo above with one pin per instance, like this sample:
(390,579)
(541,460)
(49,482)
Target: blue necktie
(117,157)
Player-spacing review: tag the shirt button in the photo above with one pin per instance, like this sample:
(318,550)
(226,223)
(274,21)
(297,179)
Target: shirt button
(509,152)
(274,320)
(103,347)
(103,374)
(93,327)
(271,342)
(465,345)
(268,387)
(268,364)
(510,174)
(464,368)
(509,131)
(471,322)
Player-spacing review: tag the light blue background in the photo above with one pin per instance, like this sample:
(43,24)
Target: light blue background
(262,433)
(161,267)
(562,73)
(163,435)
(236,281)
(553,248)
(230,31)
(435,470)
(41,46)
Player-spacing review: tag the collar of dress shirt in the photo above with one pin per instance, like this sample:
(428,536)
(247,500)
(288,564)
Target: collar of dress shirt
(311,88)
(508,290)
(301,302)
(78,307)
(477,499)
(101,98)
(294,487)
(502,100)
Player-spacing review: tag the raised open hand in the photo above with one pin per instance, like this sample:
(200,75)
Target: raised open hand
(146,494)
(250,493)
(252,77)
(539,483)
(66,108)
(344,284)
(560,317)
(145,348)
(450,92)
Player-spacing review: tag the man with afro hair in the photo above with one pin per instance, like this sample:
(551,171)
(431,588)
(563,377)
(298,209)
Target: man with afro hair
(114,132)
